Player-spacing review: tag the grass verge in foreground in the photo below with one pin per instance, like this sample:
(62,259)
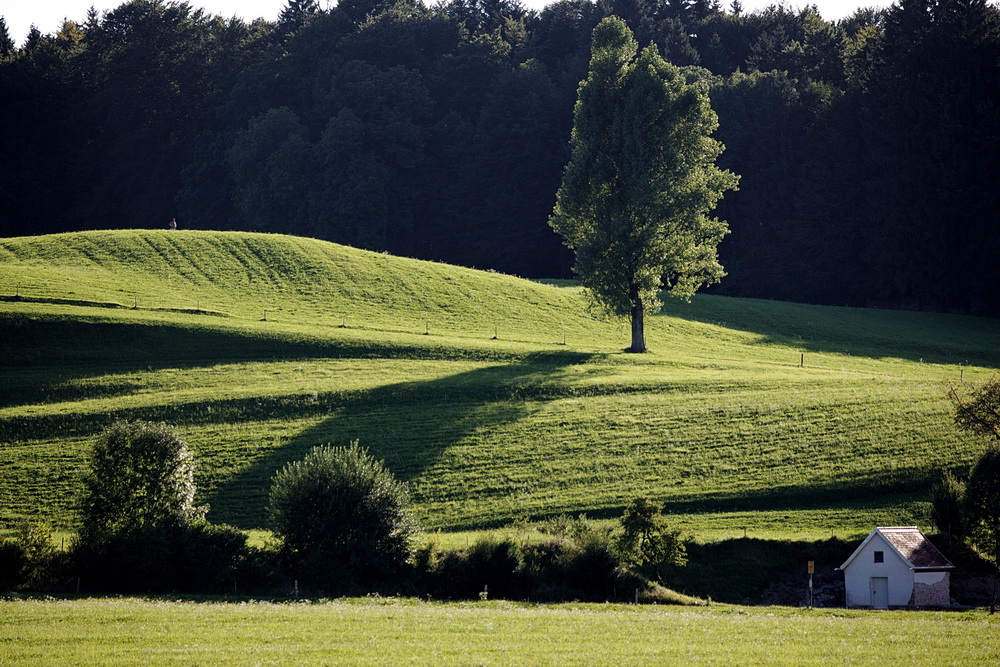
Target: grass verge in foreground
(390,631)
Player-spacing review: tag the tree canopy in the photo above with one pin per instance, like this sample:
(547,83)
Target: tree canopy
(977,407)
(647,540)
(342,516)
(641,180)
(140,477)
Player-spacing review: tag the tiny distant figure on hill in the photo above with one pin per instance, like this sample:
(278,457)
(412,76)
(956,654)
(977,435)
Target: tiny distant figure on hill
(173,223)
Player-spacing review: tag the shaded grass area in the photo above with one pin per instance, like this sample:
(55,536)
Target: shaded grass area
(738,571)
(931,338)
(380,631)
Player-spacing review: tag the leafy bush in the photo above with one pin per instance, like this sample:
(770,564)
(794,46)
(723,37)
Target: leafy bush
(192,558)
(489,568)
(592,570)
(343,519)
(577,562)
(35,540)
(947,498)
(141,476)
(587,568)
(28,559)
(494,566)
(565,525)
(647,541)
(142,532)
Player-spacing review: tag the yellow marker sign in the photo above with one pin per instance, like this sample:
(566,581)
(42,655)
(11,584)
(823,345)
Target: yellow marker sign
(812,567)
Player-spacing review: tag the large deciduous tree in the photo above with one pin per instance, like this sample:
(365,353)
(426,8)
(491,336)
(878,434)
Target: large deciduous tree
(641,181)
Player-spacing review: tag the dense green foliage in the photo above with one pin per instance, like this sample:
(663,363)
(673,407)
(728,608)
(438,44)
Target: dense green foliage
(377,631)
(947,498)
(342,517)
(140,529)
(647,538)
(977,407)
(28,558)
(867,146)
(140,476)
(197,557)
(982,504)
(640,182)
(720,423)
(571,559)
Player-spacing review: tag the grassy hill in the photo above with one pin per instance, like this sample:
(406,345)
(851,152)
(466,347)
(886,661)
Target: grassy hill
(497,399)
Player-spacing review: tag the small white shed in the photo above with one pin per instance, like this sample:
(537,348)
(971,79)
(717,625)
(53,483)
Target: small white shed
(897,567)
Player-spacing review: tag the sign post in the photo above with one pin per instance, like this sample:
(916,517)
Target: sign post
(811,567)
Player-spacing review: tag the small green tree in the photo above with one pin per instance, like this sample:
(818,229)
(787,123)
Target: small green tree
(647,540)
(141,477)
(26,558)
(342,516)
(641,180)
(947,498)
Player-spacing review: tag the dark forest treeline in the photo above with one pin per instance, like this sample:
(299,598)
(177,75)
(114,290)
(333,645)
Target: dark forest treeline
(869,148)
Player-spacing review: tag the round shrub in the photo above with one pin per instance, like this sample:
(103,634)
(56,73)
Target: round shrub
(343,518)
(141,476)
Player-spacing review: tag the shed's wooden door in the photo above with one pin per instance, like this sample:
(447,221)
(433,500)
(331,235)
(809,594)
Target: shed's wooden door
(880,592)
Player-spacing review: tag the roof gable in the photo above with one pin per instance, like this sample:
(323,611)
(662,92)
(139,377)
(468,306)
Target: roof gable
(909,544)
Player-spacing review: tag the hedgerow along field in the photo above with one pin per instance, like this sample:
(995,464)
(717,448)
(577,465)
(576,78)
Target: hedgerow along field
(499,400)
(394,631)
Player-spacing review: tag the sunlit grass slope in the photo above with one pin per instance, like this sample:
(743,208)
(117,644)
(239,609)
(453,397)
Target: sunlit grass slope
(497,399)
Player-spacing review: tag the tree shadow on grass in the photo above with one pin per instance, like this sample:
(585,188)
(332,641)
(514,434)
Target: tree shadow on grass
(46,357)
(863,492)
(407,424)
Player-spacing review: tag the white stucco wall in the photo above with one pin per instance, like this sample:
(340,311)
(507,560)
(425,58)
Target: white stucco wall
(861,570)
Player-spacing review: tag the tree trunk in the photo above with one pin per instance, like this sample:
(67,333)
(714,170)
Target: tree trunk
(638,330)
(996,572)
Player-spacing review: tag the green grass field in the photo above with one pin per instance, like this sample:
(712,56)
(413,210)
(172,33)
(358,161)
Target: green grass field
(392,631)
(499,400)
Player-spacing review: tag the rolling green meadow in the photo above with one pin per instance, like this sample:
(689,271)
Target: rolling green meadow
(501,402)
